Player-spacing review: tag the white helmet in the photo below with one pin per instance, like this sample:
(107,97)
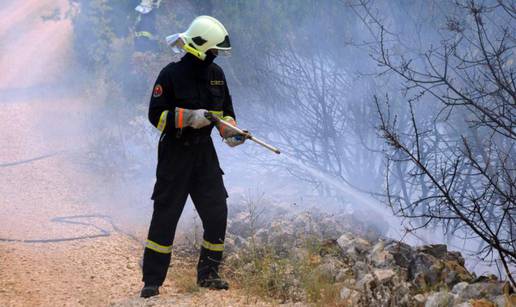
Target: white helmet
(204,33)
(146,6)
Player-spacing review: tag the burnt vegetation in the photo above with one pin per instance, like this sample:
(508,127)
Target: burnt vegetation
(457,146)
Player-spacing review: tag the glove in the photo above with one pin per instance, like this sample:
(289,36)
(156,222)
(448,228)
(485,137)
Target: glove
(236,140)
(226,132)
(191,118)
(231,137)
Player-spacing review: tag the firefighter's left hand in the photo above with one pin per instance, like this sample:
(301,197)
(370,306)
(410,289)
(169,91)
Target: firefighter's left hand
(235,140)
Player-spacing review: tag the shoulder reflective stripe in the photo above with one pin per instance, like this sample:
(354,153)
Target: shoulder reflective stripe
(163,120)
(158,248)
(213,247)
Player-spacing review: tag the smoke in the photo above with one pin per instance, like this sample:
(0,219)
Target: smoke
(45,113)
(75,141)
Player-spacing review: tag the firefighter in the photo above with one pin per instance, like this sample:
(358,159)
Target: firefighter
(187,162)
(145,28)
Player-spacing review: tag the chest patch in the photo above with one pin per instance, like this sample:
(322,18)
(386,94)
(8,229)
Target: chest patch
(216,82)
(158,91)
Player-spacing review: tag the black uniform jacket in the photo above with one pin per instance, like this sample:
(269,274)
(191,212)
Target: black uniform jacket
(190,84)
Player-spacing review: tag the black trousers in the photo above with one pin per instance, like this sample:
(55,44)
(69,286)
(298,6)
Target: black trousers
(186,169)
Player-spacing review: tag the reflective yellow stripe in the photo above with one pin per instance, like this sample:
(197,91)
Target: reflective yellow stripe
(219,114)
(162,120)
(158,248)
(213,247)
(145,34)
(228,118)
(195,52)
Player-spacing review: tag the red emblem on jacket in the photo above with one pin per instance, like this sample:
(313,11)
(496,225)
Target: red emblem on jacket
(158,91)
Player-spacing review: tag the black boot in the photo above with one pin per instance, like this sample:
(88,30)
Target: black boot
(149,290)
(208,270)
(212,281)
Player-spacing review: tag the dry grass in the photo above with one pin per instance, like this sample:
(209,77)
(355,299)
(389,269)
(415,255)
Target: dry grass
(262,272)
(185,278)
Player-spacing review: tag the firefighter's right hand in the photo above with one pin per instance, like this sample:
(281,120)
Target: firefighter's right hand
(191,118)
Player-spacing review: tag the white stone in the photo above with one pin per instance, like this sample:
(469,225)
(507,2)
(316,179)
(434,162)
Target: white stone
(352,296)
(384,275)
(440,299)
(420,298)
(458,288)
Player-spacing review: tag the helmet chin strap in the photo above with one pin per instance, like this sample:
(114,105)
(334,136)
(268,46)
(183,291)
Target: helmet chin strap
(198,54)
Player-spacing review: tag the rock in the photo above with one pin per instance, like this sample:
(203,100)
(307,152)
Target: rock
(458,288)
(484,278)
(350,296)
(419,300)
(424,270)
(456,256)
(402,253)
(500,301)
(504,301)
(380,257)
(351,282)
(440,299)
(362,245)
(481,303)
(401,293)
(345,293)
(439,251)
(427,271)
(367,281)
(344,274)
(384,275)
(352,246)
(360,269)
(481,290)
(454,273)
(345,241)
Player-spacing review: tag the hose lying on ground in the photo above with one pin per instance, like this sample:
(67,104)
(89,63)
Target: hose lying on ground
(30,160)
(73,220)
(69,219)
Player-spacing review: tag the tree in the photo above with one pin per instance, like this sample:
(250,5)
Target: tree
(462,159)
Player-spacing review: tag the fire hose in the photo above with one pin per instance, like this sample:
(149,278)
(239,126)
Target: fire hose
(246,134)
(79,220)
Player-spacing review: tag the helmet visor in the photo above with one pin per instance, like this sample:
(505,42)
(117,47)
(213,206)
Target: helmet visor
(225,43)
